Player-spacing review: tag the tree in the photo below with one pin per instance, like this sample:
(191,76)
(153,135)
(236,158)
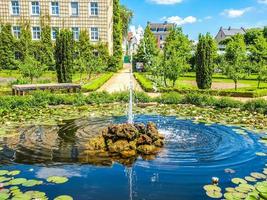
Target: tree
(7,48)
(147,50)
(31,68)
(258,57)
(177,52)
(265,32)
(115,63)
(126,18)
(236,58)
(251,35)
(205,61)
(64,56)
(23,47)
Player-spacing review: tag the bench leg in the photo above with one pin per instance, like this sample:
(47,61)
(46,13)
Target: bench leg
(74,90)
(13,92)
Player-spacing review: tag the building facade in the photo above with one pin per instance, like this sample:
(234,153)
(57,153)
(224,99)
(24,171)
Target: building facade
(225,33)
(161,31)
(95,16)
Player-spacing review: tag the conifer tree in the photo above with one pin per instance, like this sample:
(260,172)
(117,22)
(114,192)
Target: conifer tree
(205,61)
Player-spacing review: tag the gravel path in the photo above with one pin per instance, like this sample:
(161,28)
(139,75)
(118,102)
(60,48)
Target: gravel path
(120,81)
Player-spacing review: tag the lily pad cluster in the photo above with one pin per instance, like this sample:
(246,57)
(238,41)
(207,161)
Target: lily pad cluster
(11,187)
(252,187)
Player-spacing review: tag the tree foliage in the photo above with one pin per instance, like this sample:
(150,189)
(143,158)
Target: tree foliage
(177,52)
(7,48)
(115,62)
(265,32)
(147,50)
(251,35)
(64,56)
(24,45)
(31,68)
(126,17)
(205,61)
(236,59)
(258,57)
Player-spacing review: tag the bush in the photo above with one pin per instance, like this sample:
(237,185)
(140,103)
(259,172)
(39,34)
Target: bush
(145,83)
(258,105)
(226,102)
(198,99)
(97,83)
(169,98)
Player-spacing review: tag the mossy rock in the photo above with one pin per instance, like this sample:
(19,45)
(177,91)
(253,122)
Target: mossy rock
(147,149)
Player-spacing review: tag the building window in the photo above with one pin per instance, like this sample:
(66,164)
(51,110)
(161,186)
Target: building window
(36,33)
(15,7)
(54,8)
(54,32)
(74,8)
(94,8)
(94,34)
(16,31)
(35,8)
(76,33)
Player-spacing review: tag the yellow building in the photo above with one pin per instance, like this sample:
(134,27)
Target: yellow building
(95,16)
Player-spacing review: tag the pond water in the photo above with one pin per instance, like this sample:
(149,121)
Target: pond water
(192,155)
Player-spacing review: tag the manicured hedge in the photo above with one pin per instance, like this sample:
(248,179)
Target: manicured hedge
(97,83)
(147,85)
(144,82)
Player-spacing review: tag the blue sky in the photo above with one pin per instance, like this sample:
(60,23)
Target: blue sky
(200,16)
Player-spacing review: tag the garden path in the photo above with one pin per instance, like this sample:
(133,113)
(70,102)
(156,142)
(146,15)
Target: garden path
(120,81)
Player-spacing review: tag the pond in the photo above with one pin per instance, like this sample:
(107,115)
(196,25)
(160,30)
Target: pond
(192,155)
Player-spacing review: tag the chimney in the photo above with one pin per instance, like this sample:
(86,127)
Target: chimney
(229,28)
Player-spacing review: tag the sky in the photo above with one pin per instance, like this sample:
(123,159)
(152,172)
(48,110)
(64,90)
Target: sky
(200,16)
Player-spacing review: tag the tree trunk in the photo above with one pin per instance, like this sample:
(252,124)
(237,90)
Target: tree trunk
(259,82)
(235,85)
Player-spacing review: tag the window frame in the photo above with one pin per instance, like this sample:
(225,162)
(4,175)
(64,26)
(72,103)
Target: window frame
(52,31)
(78,9)
(95,9)
(33,33)
(51,8)
(93,34)
(74,33)
(39,8)
(17,7)
(18,31)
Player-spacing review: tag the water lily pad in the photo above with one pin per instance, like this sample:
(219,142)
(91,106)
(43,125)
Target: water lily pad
(63,197)
(258,175)
(17,181)
(214,194)
(261,154)
(4,195)
(250,179)
(211,188)
(3,172)
(13,173)
(3,179)
(31,183)
(22,197)
(229,189)
(57,179)
(238,181)
(36,194)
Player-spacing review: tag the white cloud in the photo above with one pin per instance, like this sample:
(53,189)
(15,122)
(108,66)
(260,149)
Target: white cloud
(263,1)
(180,21)
(234,13)
(166,2)
(208,17)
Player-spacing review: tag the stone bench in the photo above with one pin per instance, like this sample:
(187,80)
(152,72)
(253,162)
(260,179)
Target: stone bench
(22,89)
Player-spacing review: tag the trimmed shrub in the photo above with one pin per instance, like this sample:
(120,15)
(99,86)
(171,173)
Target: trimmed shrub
(97,83)
(258,105)
(145,83)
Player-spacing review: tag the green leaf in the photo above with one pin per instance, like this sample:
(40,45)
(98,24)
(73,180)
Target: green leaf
(57,179)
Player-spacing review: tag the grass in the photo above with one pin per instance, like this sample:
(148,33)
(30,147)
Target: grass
(183,85)
(97,82)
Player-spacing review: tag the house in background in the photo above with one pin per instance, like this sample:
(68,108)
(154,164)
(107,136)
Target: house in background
(161,31)
(93,16)
(225,33)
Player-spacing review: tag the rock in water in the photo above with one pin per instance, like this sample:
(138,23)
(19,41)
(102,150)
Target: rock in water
(128,140)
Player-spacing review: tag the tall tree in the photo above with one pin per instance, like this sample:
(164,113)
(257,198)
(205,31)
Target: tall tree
(126,18)
(115,61)
(258,56)
(251,35)
(177,52)
(64,57)
(265,32)
(236,58)
(205,61)
(7,48)
(147,50)
(25,41)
